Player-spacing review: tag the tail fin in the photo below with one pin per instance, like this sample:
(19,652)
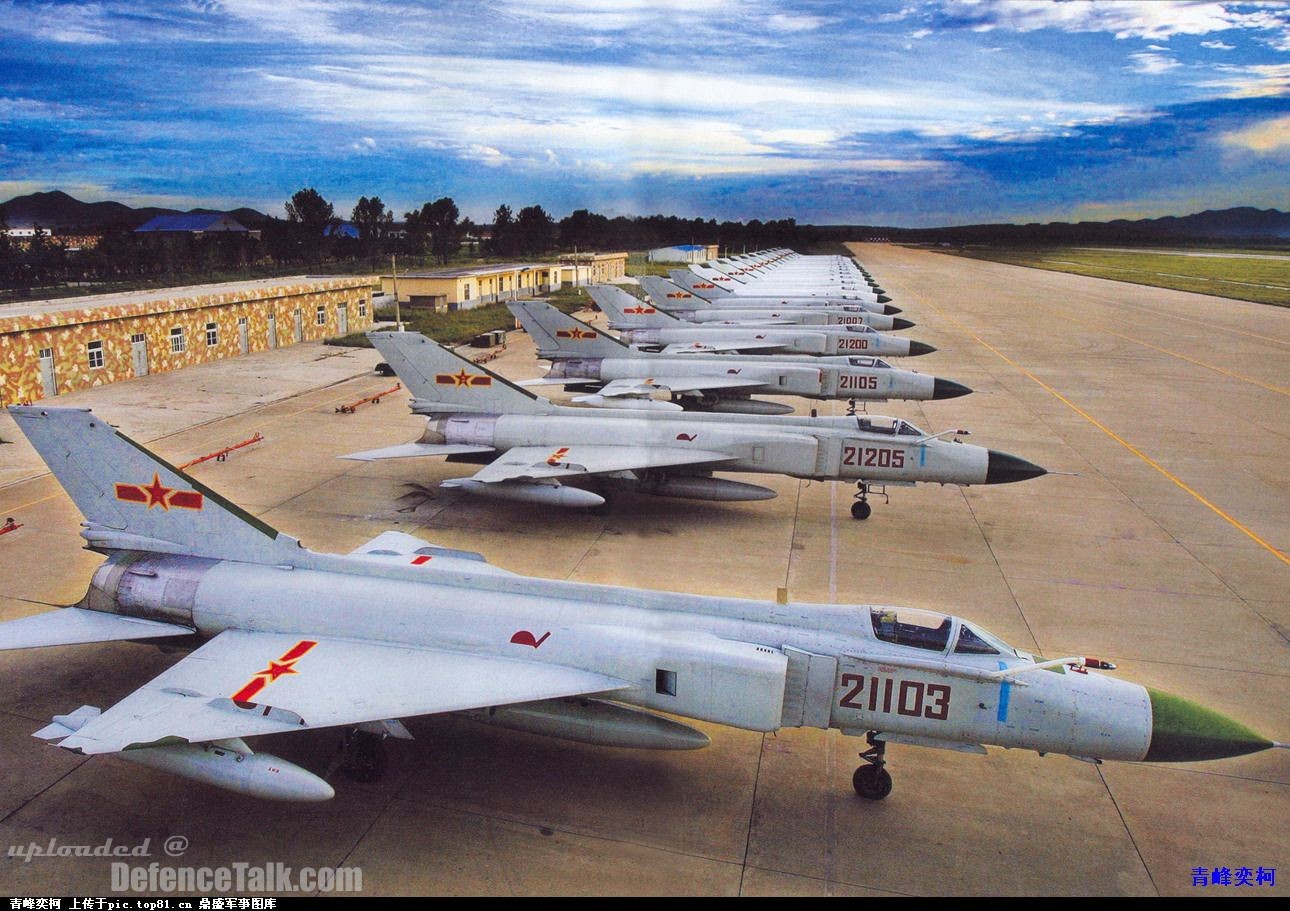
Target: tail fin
(559,336)
(133,500)
(626,312)
(697,285)
(668,295)
(443,381)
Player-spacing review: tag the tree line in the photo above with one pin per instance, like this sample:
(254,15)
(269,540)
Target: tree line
(314,235)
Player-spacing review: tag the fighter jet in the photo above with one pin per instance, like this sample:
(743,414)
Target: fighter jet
(551,454)
(284,639)
(588,360)
(777,296)
(646,326)
(666,295)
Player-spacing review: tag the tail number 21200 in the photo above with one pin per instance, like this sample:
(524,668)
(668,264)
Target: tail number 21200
(907,697)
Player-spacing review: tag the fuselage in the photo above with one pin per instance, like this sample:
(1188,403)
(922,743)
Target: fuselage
(717,659)
(830,340)
(865,447)
(827,381)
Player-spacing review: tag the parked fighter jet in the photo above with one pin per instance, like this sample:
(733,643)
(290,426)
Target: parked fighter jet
(778,296)
(645,325)
(666,295)
(286,639)
(549,452)
(588,360)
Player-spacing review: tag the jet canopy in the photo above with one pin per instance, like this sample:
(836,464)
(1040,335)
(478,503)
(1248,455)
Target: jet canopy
(933,632)
(875,362)
(889,426)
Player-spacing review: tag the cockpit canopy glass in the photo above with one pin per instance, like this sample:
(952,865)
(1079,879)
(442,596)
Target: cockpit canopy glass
(976,641)
(912,627)
(869,362)
(892,426)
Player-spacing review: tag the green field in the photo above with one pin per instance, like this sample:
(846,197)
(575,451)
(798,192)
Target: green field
(1250,275)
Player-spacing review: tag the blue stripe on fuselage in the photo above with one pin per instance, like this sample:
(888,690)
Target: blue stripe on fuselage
(1005,693)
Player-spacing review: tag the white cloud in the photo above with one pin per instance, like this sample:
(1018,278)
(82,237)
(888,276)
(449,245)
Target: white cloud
(87,23)
(920,33)
(1152,64)
(1218,45)
(1255,81)
(1151,19)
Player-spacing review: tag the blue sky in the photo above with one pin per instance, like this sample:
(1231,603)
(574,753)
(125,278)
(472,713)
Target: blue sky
(920,112)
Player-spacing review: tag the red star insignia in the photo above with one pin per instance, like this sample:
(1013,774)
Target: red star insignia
(463,378)
(277,669)
(157,492)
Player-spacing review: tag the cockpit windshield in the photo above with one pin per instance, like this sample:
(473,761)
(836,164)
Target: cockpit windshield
(891,426)
(911,627)
(973,641)
(859,328)
(868,362)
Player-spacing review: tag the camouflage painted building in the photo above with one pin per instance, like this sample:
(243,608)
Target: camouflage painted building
(52,347)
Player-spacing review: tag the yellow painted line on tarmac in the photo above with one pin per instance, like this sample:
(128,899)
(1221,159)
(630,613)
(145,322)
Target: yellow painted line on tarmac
(1122,441)
(1137,341)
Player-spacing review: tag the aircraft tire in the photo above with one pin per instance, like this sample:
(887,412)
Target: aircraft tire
(860,510)
(871,782)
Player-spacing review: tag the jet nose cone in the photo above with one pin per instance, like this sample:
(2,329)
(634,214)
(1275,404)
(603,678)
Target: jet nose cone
(948,389)
(889,309)
(1183,731)
(919,348)
(900,323)
(882,298)
(1005,469)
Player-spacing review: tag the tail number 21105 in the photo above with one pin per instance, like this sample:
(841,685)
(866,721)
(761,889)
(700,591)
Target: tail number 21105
(906,697)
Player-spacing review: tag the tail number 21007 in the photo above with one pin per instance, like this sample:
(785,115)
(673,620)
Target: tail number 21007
(906,697)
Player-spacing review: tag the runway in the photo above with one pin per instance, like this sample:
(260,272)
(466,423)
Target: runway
(1163,545)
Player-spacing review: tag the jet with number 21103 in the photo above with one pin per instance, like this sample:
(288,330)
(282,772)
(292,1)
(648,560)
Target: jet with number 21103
(279,634)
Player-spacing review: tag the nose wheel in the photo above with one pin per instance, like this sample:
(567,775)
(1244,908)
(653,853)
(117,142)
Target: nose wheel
(872,781)
(861,509)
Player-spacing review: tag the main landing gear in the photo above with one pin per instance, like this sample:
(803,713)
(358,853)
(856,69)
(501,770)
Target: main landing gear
(363,757)
(861,509)
(872,781)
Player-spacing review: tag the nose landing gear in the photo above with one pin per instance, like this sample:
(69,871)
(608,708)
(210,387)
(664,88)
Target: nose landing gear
(861,509)
(872,781)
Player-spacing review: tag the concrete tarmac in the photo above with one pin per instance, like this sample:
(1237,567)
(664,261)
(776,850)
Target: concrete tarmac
(1164,549)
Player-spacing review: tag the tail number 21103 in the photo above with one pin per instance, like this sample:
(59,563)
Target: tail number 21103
(907,697)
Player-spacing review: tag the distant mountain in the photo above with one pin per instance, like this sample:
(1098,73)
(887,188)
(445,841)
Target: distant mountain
(58,210)
(1244,223)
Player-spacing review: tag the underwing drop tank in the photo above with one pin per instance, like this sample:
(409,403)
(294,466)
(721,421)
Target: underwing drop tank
(524,492)
(595,722)
(706,489)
